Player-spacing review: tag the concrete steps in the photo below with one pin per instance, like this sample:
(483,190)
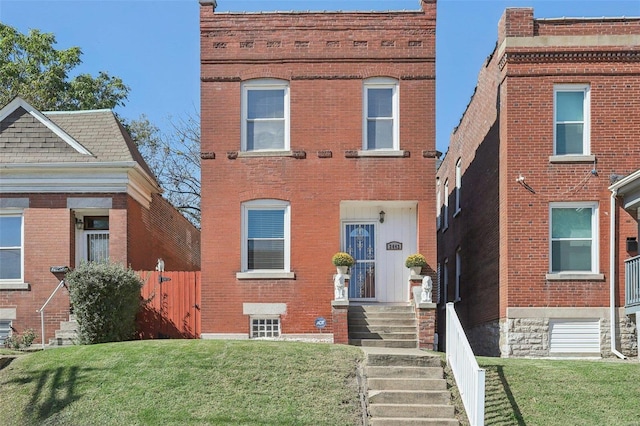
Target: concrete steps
(406,387)
(390,326)
(67,334)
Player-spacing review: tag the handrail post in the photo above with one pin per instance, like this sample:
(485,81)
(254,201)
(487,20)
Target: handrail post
(41,310)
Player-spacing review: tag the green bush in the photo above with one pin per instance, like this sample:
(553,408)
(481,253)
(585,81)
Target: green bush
(105,299)
(19,341)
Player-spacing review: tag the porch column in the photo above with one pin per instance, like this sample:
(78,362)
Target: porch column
(339,311)
(425,315)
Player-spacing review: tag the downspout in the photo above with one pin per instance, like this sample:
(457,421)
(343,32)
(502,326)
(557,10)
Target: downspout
(612,273)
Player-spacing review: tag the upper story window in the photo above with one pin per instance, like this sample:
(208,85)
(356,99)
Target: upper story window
(445,209)
(458,274)
(458,183)
(574,243)
(571,120)
(381,114)
(266,236)
(438,202)
(11,247)
(265,115)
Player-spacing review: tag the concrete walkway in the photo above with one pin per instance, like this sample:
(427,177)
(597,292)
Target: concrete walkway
(406,386)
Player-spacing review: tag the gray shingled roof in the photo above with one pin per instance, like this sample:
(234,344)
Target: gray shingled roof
(25,139)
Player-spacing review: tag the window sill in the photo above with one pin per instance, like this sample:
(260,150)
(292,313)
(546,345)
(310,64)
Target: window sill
(575,276)
(232,155)
(383,153)
(265,275)
(457,213)
(572,158)
(14,286)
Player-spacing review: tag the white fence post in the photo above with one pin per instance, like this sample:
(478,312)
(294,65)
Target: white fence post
(469,376)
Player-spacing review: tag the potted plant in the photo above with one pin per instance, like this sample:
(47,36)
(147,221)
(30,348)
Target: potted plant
(342,261)
(415,262)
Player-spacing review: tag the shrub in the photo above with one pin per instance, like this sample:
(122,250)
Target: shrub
(19,341)
(105,299)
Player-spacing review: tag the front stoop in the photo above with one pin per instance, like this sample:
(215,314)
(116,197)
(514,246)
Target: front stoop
(406,387)
(66,335)
(386,326)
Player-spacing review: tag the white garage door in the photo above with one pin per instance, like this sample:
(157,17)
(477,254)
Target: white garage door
(574,336)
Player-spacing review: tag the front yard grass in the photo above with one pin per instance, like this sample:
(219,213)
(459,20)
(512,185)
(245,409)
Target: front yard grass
(176,382)
(561,392)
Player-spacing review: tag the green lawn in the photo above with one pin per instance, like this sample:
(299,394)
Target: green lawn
(564,393)
(175,382)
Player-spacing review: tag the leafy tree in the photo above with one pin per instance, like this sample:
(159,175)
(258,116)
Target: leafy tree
(32,68)
(175,160)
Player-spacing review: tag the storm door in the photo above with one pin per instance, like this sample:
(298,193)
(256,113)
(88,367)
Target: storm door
(360,242)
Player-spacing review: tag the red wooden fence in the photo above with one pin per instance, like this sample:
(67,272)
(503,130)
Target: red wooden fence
(171,308)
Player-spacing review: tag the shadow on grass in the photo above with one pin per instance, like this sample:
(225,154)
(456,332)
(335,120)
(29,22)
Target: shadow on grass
(52,390)
(500,407)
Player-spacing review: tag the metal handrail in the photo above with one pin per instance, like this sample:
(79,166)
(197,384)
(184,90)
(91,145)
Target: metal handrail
(41,310)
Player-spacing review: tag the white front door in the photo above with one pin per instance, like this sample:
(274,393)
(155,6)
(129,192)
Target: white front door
(380,248)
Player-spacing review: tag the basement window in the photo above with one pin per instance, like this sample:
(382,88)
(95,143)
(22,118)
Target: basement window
(265,327)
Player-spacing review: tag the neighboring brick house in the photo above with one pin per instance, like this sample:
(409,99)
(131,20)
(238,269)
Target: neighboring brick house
(318,134)
(74,187)
(526,216)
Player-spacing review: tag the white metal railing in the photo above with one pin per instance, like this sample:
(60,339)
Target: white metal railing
(632,281)
(468,375)
(41,310)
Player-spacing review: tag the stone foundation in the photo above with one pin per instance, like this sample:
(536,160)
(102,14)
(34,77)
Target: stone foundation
(485,339)
(526,332)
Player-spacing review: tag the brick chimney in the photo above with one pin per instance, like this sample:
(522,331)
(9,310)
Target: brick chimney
(515,22)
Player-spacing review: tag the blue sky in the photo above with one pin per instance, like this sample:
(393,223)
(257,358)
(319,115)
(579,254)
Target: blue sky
(153,45)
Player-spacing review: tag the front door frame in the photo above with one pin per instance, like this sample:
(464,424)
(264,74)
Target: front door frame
(353,278)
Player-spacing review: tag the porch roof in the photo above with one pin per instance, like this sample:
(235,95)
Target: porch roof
(629,189)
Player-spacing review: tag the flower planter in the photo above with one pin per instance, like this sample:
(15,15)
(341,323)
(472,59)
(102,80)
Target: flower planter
(342,270)
(415,270)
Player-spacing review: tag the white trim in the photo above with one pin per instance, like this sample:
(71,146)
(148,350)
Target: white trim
(382,83)
(586,111)
(595,246)
(445,212)
(19,102)
(438,204)
(264,84)
(15,283)
(250,275)
(119,177)
(265,204)
(458,185)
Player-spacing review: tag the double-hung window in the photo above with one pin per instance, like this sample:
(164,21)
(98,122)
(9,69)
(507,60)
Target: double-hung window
(445,208)
(266,239)
(265,115)
(571,120)
(381,114)
(574,237)
(438,203)
(458,184)
(11,248)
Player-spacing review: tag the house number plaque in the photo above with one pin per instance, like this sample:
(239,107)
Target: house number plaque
(394,245)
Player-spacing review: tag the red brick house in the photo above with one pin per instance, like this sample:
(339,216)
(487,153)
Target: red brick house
(318,134)
(74,187)
(538,193)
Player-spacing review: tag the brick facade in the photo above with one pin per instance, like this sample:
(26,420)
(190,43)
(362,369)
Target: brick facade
(60,173)
(510,175)
(324,58)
